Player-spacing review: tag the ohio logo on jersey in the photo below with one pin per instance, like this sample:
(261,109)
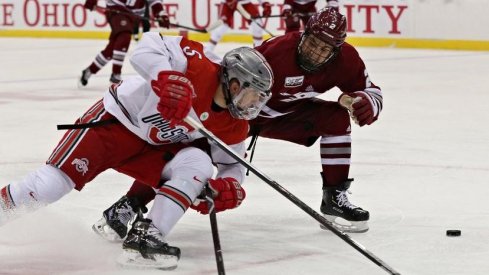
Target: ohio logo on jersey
(160,131)
(293,81)
(81,165)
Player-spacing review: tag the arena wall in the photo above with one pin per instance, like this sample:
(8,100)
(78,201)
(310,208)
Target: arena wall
(437,24)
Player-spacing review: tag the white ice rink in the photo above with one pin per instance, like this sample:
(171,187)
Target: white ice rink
(421,169)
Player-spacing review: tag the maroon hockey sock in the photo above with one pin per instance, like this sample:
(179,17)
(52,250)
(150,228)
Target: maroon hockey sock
(334,175)
(335,159)
(143,192)
(121,45)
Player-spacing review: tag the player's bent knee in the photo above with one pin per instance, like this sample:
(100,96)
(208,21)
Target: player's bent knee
(188,172)
(44,186)
(343,119)
(339,123)
(54,184)
(190,162)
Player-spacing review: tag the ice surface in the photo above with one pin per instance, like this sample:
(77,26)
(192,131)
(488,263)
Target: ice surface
(420,170)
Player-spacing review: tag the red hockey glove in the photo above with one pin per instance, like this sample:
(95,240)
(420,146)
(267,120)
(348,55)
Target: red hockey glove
(267,9)
(364,110)
(175,92)
(163,20)
(228,194)
(90,4)
(287,11)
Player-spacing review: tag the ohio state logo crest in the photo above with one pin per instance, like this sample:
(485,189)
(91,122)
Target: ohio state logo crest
(81,165)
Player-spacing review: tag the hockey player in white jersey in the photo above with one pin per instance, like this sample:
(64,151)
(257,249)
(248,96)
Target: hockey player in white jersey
(137,129)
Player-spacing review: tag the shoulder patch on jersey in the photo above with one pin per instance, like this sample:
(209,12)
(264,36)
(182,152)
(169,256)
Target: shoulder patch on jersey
(204,116)
(293,81)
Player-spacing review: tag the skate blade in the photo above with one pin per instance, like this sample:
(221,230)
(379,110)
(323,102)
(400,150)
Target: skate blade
(79,85)
(105,231)
(346,226)
(132,259)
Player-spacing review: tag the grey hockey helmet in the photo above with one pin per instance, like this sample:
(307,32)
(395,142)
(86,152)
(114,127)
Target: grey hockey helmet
(255,78)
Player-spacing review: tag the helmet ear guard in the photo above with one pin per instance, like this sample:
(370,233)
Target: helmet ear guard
(255,77)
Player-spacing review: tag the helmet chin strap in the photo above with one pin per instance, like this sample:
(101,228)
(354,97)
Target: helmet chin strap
(228,97)
(226,89)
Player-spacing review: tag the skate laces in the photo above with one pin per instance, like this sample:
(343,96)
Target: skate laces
(155,233)
(342,199)
(123,212)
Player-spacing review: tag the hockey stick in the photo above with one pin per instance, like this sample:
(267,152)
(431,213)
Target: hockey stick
(215,231)
(152,19)
(188,28)
(247,16)
(214,25)
(360,248)
(270,16)
(300,14)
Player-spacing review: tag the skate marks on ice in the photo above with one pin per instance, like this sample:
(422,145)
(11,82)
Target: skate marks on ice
(420,170)
(49,242)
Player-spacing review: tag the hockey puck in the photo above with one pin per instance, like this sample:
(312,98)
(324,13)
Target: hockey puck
(454,233)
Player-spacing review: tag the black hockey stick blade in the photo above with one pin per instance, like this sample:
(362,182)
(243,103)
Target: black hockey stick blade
(291,197)
(248,16)
(215,231)
(86,125)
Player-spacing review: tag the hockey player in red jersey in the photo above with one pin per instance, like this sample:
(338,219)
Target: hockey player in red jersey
(226,14)
(296,11)
(137,129)
(122,17)
(305,65)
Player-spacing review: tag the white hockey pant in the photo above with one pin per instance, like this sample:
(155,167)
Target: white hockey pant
(187,174)
(216,36)
(42,187)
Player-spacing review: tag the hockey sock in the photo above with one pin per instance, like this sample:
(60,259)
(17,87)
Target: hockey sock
(335,158)
(143,192)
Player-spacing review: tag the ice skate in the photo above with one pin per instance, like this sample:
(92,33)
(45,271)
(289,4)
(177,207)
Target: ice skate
(342,214)
(145,248)
(85,75)
(114,224)
(115,78)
